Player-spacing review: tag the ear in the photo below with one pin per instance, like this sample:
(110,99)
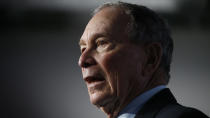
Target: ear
(153,58)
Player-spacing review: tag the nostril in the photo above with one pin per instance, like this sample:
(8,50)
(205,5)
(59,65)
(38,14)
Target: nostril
(86,62)
(85,65)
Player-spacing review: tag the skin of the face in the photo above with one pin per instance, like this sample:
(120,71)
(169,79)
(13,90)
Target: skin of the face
(112,66)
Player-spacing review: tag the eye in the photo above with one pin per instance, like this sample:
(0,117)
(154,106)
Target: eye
(82,49)
(101,43)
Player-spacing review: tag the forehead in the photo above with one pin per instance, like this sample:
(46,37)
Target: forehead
(111,21)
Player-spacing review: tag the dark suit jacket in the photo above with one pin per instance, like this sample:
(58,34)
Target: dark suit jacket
(164,105)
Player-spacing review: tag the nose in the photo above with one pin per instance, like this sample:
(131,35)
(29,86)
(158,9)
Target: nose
(86,59)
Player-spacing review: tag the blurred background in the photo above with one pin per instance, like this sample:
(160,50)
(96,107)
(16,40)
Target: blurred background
(39,46)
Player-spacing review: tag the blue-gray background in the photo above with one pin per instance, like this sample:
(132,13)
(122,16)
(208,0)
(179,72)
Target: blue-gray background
(39,44)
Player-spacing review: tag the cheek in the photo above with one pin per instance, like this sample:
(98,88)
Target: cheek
(118,71)
(123,69)
(122,64)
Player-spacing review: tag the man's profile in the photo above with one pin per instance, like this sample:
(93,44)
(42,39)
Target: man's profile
(126,53)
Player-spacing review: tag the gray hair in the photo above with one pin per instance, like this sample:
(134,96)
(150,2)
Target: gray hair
(147,26)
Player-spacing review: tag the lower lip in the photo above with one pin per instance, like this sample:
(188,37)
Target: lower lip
(96,84)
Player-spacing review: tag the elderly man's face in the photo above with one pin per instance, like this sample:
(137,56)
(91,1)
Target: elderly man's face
(111,64)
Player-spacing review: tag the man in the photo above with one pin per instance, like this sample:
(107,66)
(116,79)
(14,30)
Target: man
(126,52)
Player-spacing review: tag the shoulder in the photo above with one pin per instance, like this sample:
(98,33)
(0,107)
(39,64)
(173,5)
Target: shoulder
(179,111)
(164,105)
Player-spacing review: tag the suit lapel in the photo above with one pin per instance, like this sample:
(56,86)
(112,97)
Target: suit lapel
(156,103)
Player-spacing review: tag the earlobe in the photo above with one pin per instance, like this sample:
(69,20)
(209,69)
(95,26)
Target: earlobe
(154,53)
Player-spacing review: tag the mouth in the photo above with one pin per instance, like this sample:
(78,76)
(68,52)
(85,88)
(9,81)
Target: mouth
(95,84)
(92,79)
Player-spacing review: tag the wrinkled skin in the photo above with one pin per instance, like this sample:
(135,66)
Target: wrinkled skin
(112,66)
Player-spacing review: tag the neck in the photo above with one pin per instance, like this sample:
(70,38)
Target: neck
(113,107)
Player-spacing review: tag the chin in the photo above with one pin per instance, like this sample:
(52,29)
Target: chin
(106,102)
(101,99)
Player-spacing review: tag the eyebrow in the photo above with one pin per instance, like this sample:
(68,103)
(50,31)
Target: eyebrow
(81,42)
(94,37)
